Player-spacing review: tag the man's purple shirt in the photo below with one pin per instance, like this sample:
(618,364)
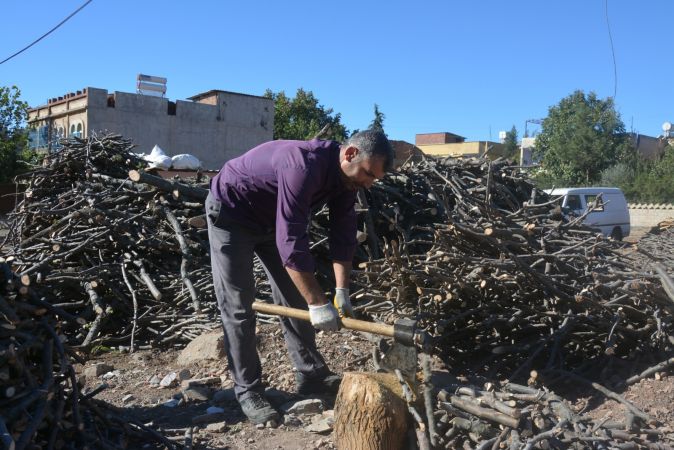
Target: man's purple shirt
(276,186)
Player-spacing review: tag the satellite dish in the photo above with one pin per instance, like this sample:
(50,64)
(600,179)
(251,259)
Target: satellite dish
(667,126)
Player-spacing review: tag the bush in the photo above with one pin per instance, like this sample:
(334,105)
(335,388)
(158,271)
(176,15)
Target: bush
(647,182)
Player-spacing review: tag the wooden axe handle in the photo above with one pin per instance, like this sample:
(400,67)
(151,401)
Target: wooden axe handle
(301,314)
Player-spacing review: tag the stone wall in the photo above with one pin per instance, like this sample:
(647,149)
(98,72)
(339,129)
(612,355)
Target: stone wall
(649,215)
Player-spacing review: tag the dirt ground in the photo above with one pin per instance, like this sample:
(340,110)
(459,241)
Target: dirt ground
(344,351)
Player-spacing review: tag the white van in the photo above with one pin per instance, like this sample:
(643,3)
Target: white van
(612,216)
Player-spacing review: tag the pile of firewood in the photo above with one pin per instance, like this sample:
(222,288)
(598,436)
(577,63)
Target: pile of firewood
(501,278)
(40,398)
(515,416)
(116,253)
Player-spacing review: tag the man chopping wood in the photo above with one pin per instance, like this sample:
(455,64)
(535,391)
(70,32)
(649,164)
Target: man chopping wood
(260,204)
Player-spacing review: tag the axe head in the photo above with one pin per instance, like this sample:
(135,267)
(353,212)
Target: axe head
(401,353)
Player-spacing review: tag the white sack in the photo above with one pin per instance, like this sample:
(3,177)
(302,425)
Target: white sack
(186,162)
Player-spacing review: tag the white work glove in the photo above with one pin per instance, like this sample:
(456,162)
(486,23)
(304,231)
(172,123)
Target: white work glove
(342,302)
(324,317)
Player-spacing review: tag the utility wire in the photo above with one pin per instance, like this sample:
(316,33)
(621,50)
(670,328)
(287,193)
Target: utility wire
(615,70)
(47,33)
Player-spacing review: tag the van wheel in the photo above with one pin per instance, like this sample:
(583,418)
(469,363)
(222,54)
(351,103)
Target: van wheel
(617,234)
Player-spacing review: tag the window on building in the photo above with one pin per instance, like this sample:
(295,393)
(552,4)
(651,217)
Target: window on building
(59,134)
(76,130)
(38,138)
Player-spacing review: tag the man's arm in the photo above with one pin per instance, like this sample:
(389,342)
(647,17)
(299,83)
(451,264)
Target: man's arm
(308,286)
(342,273)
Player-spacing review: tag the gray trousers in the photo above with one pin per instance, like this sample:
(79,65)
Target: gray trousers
(233,247)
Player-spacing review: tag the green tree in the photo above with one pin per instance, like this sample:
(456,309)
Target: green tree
(378,121)
(303,117)
(582,136)
(13,137)
(653,181)
(510,147)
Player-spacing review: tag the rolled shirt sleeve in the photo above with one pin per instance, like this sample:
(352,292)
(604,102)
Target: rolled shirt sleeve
(343,226)
(293,209)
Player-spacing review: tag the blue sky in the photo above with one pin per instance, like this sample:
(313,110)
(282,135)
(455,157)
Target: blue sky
(468,67)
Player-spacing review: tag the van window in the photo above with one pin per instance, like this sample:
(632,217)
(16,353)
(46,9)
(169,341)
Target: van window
(591,198)
(573,202)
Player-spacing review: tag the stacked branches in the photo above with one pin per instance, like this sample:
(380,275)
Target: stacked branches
(40,398)
(113,251)
(500,277)
(519,417)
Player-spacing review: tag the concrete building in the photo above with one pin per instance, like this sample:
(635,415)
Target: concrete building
(449,144)
(648,147)
(214,126)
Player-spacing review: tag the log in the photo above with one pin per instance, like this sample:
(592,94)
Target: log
(370,412)
(178,189)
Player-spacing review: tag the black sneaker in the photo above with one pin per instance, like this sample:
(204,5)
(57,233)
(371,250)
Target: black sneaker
(326,384)
(257,408)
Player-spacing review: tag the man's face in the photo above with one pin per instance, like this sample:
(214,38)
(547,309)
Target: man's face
(359,172)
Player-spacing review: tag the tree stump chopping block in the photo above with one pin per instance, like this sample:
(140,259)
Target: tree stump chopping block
(370,412)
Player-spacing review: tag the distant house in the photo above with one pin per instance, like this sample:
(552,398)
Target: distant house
(648,147)
(404,151)
(214,126)
(450,144)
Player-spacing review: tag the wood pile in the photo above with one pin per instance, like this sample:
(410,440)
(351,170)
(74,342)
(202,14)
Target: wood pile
(658,245)
(502,280)
(520,417)
(115,252)
(512,291)
(40,397)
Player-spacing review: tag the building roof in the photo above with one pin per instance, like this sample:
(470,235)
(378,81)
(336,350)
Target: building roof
(62,99)
(442,132)
(196,98)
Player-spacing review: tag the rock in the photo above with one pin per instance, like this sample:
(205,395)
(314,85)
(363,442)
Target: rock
(184,374)
(291,420)
(260,426)
(309,406)
(197,393)
(168,380)
(321,427)
(207,347)
(111,374)
(214,410)
(199,381)
(171,403)
(224,395)
(217,427)
(154,381)
(97,370)
(128,398)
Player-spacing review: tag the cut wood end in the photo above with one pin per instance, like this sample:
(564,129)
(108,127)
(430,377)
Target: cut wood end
(134,175)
